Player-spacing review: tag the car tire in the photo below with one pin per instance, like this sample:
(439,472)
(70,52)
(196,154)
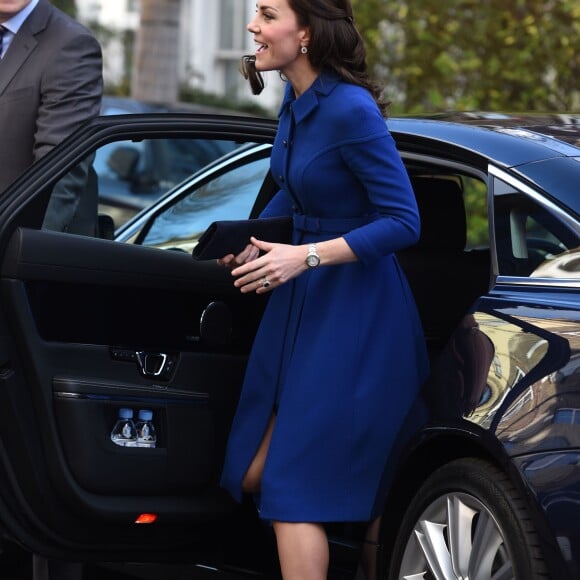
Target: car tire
(468,508)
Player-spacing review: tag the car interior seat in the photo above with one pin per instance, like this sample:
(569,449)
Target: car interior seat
(445,278)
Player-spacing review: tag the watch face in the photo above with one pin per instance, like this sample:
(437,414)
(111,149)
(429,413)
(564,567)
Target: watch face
(312,260)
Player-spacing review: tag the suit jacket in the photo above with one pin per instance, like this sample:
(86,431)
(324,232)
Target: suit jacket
(50,83)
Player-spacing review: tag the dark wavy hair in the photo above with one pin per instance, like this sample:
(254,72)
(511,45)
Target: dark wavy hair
(335,43)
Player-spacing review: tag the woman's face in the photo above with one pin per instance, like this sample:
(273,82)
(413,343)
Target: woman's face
(278,35)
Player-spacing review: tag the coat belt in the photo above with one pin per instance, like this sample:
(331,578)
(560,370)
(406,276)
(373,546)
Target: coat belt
(316,225)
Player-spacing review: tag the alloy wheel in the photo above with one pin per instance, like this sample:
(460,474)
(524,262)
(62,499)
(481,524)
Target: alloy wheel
(456,538)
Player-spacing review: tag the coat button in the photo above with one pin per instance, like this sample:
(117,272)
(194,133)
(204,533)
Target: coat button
(285,143)
(281,178)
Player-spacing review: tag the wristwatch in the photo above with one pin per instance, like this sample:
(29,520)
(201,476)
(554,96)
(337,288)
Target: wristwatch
(312,258)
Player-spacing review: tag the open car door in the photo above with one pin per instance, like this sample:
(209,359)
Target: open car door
(89,326)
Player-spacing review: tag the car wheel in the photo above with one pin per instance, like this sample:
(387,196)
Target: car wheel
(467,521)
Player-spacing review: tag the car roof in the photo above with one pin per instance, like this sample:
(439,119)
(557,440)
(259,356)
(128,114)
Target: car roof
(532,148)
(506,145)
(113,105)
(562,126)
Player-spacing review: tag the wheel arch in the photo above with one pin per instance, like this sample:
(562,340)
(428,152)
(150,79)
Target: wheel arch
(434,449)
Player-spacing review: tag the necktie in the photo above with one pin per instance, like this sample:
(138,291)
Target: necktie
(2,29)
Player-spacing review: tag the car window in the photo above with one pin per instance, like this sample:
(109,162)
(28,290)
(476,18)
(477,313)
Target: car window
(475,199)
(530,239)
(132,174)
(451,201)
(229,195)
(122,178)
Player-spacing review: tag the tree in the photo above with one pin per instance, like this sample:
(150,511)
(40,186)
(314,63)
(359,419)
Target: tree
(68,6)
(516,55)
(155,68)
(368,16)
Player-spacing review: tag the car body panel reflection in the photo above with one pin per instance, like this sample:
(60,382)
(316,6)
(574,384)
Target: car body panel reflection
(511,376)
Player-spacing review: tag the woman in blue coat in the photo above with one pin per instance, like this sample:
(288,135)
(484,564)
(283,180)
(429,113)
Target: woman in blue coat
(339,355)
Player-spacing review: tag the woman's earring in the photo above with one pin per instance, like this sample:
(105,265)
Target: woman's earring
(304,49)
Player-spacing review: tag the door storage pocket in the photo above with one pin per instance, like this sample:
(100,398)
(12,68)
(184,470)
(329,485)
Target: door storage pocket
(182,460)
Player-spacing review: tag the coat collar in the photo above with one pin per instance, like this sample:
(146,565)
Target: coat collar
(24,43)
(309,100)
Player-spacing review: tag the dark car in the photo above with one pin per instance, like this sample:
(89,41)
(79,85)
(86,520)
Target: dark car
(485,479)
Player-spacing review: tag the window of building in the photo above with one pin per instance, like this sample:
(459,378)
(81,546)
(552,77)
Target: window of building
(232,25)
(232,40)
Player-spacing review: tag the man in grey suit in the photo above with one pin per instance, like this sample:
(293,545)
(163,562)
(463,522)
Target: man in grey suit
(50,84)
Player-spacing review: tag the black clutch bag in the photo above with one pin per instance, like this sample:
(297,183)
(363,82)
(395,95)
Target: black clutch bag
(232,236)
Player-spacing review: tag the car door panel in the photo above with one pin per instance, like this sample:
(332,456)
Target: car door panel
(79,310)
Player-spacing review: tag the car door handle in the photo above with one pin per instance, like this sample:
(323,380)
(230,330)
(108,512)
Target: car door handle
(155,364)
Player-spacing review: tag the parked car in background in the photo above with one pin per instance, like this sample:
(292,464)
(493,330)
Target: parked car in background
(485,480)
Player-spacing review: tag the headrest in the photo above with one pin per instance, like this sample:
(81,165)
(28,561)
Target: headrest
(442,211)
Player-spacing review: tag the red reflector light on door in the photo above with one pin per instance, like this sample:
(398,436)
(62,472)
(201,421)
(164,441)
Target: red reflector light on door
(146,519)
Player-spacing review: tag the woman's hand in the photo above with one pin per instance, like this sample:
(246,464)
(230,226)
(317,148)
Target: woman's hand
(280,263)
(249,253)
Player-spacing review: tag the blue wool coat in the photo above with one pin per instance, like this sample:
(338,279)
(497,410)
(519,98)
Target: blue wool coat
(339,355)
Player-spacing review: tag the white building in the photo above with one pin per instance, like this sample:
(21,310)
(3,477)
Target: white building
(116,14)
(213,38)
(216,41)
(117,17)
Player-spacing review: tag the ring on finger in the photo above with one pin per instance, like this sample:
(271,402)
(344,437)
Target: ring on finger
(265,282)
